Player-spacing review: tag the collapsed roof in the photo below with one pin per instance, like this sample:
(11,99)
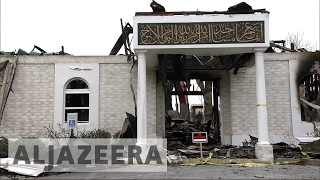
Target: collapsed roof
(33,52)
(240,8)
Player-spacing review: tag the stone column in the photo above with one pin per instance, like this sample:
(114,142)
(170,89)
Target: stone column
(142,99)
(263,149)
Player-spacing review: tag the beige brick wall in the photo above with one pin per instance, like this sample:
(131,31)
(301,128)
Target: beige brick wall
(31,106)
(151,103)
(115,95)
(243,100)
(278,97)
(225,104)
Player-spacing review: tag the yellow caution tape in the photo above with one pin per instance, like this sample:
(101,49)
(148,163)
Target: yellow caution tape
(262,105)
(216,164)
(207,161)
(249,164)
(304,153)
(287,162)
(209,157)
(203,161)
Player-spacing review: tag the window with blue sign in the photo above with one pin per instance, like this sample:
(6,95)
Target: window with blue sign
(77,99)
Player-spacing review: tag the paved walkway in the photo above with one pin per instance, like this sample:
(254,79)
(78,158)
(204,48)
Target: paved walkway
(206,172)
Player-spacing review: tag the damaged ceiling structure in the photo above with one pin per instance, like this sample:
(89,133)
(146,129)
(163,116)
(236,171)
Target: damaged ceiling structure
(36,51)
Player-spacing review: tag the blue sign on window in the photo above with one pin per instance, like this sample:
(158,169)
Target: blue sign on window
(72,119)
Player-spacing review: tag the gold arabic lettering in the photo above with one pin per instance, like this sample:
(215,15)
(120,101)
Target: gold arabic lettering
(200,33)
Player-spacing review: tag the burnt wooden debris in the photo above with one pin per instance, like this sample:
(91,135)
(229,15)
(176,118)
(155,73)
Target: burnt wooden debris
(33,52)
(179,143)
(156,7)
(241,7)
(312,149)
(40,49)
(123,40)
(129,128)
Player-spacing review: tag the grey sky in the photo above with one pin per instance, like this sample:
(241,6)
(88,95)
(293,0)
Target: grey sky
(91,27)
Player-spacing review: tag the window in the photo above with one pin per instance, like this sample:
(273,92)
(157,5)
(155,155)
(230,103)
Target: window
(77,100)
(76,90)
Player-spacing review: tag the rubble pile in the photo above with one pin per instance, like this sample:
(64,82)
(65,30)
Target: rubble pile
(179,134)
(222,152)
(283,150)
(180,145)
(179,142)
(312,149)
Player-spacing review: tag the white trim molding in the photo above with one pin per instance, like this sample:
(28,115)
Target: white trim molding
(63,73)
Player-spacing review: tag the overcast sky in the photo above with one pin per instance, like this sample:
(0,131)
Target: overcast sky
(91,27)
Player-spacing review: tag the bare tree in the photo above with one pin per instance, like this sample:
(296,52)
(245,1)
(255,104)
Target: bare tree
(297,38)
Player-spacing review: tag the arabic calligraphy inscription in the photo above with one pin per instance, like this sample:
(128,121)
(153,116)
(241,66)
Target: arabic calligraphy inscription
(200,33)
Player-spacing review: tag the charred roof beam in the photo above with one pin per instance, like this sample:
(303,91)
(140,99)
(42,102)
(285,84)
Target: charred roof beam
(178,64)
(38,48)
(123,40)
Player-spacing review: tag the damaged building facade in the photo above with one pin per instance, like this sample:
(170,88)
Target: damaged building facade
(258,90)
(42,84)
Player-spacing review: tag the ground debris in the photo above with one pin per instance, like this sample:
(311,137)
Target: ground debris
(283,150)
(179,133)
(258,176)
(179,142)
(312,149)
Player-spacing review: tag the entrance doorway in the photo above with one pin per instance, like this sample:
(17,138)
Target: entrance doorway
(192,106)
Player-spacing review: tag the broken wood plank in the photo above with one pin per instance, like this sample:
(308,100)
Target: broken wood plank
(193,152)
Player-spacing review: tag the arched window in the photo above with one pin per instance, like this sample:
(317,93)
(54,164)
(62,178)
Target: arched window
(77,99)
